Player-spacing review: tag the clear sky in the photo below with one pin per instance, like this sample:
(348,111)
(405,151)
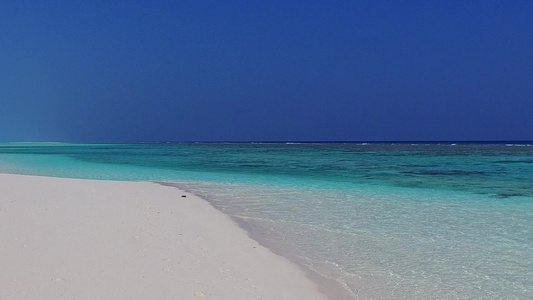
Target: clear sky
(200,70)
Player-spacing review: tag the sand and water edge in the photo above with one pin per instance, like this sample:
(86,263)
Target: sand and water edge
(94,239)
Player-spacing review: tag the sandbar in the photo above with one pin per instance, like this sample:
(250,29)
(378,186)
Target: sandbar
(64,238)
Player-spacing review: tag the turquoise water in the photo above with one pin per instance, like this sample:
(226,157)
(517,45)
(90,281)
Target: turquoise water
(385,221)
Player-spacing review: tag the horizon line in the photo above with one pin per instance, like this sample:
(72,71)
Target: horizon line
(498,142)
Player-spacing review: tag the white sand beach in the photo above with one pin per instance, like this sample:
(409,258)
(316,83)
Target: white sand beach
(87,239)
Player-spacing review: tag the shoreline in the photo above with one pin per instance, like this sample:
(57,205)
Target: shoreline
(98,239)
(334,289)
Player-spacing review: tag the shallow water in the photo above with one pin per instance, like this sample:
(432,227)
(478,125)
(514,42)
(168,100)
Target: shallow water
(386,221)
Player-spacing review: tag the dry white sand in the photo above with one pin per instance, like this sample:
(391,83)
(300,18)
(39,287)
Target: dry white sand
(87,239)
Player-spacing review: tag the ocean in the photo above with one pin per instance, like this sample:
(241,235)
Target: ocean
(379,220)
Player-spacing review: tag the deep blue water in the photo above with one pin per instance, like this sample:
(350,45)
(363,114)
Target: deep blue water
(386,221)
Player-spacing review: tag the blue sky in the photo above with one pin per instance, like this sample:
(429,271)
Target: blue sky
(131,71)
